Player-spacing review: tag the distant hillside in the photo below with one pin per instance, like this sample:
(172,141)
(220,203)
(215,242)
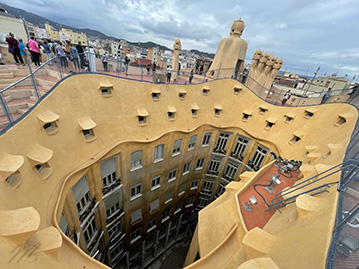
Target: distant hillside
(40,21)
(148,44)
(201,53)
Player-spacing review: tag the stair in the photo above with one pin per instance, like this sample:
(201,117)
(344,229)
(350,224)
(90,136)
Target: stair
(20,98)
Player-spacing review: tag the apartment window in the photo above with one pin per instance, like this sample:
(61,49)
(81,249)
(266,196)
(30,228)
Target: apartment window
(156,182)
(194,184)
(136,160)
(192,142)
(202,202)
(177,147)
(190,201)
(258,157)
(112,209)
(108,172)
(81,194)
(151,225)
(207,186)
(115,251)
(134,236)
(206,139)
(230,171)
(114,229)
(221,189)
(182,189)
(154,205)
(169,197)
(240,147)
(213,167)
(136,216)
(186,168)
(136,191)
(166,215)
(159,153)
(199,164)
(178,207)
(172,175)
(222,143)
(90,230)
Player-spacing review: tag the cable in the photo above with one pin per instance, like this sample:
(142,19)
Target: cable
(254,187)
(290,172)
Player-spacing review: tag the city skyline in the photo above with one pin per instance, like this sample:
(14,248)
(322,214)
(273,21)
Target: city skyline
(306,34)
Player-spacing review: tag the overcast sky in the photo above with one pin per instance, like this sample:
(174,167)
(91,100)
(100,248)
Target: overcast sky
(305,33)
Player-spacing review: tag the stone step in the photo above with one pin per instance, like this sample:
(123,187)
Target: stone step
(7,74)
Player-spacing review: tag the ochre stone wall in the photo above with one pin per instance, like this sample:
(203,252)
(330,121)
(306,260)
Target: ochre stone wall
(117,122)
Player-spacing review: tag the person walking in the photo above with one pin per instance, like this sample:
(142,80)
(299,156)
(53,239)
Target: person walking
(104,61)
(47,49)
(34,51)
(14,48)
(23,51)
(154,68)
(287,96)
(169,74)
(190,77)
(80,51)
(127,61)
(148,68)
(61,54)
(75,56)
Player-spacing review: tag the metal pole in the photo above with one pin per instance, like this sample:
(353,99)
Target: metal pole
(260,93)
(278,96)
(141,69)
(33,80)
(219,70)
(5,108)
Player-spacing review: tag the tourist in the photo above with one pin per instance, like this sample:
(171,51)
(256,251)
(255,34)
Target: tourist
(14,48)
(169,74)
(68,51)
(104,61)
(34,51)
(326,96)
(287,96)
(75,57)
(148,68)
(61,53)
(127,61)
(80,51)
(190,77)
(47,51)
(154,68)
(91,57)
(23,51)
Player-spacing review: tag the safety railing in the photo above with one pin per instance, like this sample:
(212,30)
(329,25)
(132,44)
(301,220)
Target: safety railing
(21,96)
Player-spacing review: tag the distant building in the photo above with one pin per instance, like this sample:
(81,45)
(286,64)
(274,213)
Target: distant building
(9,23)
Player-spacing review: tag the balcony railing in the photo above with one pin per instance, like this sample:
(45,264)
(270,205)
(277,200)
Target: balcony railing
(117,215)
(220,151)
(236,156)
(88,211)
(111,187)
(212,172)
(95,242)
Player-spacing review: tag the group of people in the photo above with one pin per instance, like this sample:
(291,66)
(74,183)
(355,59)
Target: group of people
(150,67)
(70,56)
